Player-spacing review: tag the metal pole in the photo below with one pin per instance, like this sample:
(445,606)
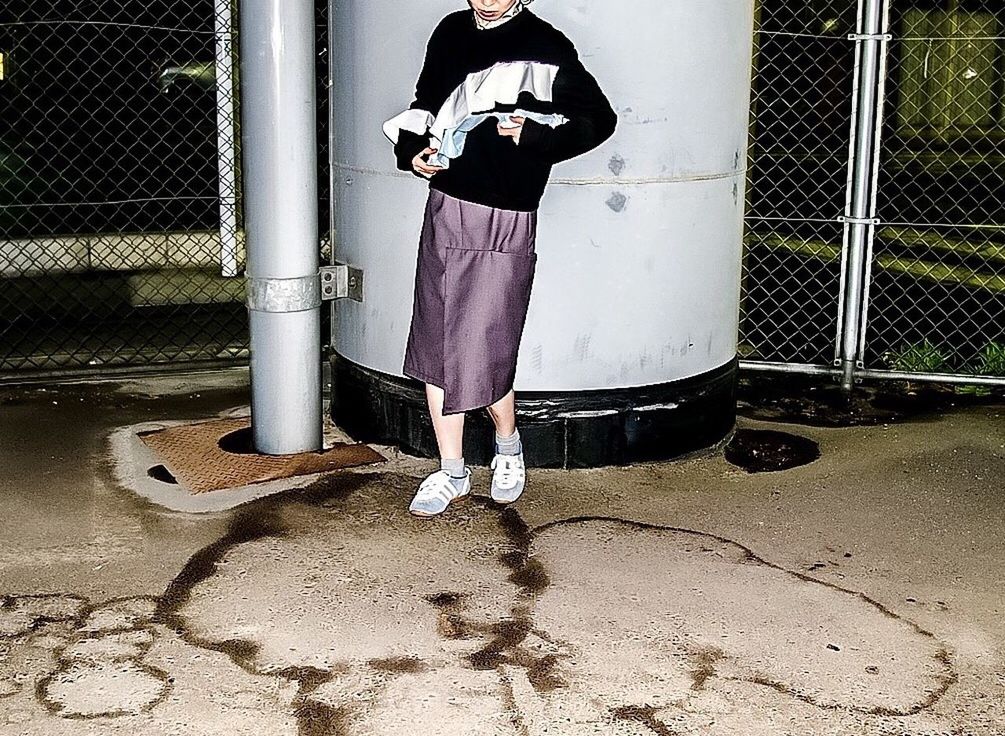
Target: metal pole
(281,220)
(858,217)
(884,57)
(226,137)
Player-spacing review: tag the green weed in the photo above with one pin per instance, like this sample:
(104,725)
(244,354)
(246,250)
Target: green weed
(919,357)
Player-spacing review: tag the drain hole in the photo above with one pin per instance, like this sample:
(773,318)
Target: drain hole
(159,472)
(765,450)
(240,442)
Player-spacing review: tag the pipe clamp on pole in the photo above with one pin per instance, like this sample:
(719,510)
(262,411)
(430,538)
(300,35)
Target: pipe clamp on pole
(858,220)
(870,36)
(284,295)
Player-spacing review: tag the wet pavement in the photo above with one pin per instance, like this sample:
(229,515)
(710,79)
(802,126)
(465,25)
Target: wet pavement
(859,590)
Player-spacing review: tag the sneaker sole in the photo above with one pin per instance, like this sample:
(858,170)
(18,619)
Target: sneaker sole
(507,502)
(426,515)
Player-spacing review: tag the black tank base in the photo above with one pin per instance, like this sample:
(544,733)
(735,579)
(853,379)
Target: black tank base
(565,429)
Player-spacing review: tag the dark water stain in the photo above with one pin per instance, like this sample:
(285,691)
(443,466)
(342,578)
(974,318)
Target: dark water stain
(455,627)
(64,665)
(315,718)
(309,678)
(646,715)
(507,635)
(8,602)
(161,473)
(446,599)
(706,659)
(947,677)
(259,520)
(531,577)
(399,665)
(519,534)
(58,709)
(320,719)
(766,450)
(249,524)
(542,674)
(265,519)
(817,402)
(505,646)
(450,620)
(508,696)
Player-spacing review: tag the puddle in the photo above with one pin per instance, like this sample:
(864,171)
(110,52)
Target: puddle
(766,450)
(818,402)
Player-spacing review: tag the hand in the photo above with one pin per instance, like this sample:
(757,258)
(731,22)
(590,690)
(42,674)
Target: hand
(514,129)
(421,167)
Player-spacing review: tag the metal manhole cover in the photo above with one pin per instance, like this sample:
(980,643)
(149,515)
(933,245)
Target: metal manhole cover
(193,454)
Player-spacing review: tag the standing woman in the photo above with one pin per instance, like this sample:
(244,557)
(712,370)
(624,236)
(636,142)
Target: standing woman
(501,98)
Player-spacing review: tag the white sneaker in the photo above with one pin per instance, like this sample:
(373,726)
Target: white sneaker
(436,492)
(508,478)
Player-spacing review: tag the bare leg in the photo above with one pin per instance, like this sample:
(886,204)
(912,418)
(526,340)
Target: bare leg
(449,429)
(503,413)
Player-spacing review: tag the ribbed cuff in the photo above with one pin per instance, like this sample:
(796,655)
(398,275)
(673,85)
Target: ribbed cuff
(533,135)
(509,445)
(409,146)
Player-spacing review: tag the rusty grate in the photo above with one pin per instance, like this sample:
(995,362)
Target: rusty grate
(212,456)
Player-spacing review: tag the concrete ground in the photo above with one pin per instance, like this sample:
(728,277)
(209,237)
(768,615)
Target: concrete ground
(860,594)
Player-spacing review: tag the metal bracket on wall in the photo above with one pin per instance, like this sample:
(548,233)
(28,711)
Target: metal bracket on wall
(341,281)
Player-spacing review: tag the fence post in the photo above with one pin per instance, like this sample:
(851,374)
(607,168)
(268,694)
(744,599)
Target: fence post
(859,218)
(279,134)
(226,136)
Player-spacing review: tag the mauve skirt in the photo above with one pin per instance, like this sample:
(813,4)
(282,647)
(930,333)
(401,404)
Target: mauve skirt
(472,287)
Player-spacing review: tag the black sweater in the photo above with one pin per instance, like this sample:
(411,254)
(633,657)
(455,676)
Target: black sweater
(493,171)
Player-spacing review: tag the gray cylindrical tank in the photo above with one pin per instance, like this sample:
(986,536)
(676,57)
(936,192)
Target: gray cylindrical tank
(630,346)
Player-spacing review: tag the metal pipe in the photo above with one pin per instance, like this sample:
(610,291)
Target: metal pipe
(802,368)
(948,378)
(884,57)
(281,223)
(858,217)
(226,137)
(845,235)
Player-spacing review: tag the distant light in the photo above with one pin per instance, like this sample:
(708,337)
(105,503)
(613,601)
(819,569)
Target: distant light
(3,56)
(830,25)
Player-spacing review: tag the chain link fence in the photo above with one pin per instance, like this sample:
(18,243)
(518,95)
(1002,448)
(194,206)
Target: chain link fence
(937,280)
(121,238)
(931,280)
(798,181)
